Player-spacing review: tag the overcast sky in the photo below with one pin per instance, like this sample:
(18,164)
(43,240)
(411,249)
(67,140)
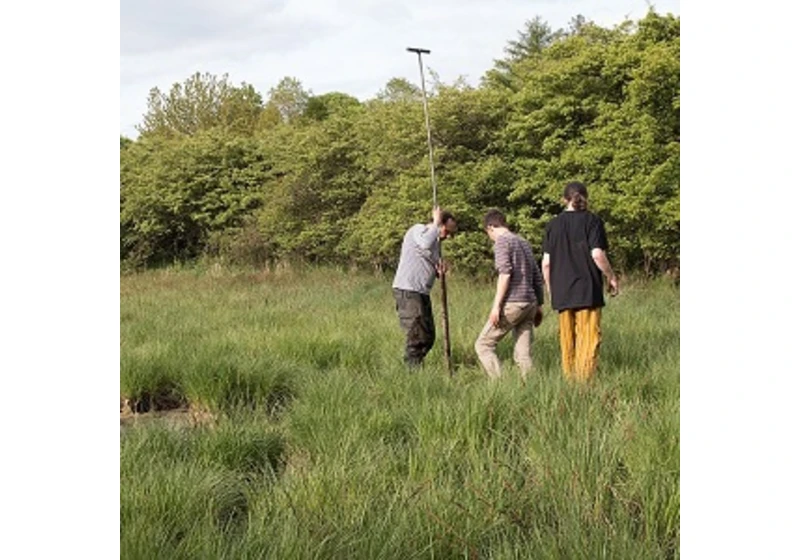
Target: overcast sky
(352,46)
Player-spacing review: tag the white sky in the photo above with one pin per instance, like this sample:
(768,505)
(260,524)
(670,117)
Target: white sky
(351,46)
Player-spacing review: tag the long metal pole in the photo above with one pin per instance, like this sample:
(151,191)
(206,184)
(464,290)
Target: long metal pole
(427,118)
(443,279)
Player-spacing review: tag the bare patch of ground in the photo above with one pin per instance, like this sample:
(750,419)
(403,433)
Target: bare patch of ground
(179,417)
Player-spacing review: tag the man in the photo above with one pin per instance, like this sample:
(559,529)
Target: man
(420,264)
(574,257)
(517,305)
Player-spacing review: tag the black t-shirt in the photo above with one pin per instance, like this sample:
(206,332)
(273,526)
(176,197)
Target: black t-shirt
(575,280)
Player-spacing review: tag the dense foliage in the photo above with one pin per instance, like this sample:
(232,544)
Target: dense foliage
(219,171)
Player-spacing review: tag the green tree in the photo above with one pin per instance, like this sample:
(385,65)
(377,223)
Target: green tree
(328,178)
(289,98)
(178,193)
(531,41)
(400,89)
(320,107)
(201,102)
(601,105)
(535,36)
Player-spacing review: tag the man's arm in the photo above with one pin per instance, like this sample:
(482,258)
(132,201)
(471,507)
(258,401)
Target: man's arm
(504,267)
(426,239)
(502,287)
(546,273)
(538,290)
(538,284)
(601,260)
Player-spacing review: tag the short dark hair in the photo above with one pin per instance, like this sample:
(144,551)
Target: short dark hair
(494,217)
(446,217)
(576,193)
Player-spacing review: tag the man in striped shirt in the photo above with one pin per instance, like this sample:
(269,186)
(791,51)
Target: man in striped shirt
(518,300)
(419,266)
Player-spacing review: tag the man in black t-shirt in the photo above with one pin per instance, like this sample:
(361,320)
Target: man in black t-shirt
(573,266)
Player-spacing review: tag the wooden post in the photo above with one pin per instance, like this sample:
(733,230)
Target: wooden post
(446,326)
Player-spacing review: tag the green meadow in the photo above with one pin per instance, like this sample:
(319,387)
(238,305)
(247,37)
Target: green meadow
(268,414)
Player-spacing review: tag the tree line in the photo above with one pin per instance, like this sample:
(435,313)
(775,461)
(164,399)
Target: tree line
(219,170)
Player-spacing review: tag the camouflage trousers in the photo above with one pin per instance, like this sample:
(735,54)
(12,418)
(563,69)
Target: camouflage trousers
(416,320)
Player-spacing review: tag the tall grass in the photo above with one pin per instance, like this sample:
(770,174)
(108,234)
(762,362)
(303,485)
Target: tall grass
(325,446)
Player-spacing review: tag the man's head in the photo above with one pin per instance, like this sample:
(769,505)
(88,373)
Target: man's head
(494,223)
(448,225)
(576,196)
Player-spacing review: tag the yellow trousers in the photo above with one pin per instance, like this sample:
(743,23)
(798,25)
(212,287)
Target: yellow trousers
(579,332)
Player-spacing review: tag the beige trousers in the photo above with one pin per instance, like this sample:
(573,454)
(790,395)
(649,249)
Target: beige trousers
(518,318)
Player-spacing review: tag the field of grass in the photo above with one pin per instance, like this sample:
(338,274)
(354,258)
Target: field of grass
(310,439)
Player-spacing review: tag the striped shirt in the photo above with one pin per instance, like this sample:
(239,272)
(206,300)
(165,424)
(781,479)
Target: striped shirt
(513,255)
(416,270)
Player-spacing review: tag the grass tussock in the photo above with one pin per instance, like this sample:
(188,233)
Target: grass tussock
(324,446)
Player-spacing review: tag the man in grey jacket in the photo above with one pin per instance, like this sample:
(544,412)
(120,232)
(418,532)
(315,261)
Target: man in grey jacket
(420,264)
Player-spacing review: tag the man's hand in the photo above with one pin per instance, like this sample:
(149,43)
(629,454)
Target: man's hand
(437,216)
(537,318)
(442,268)
(494,316)
(601,260)
(613,286)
